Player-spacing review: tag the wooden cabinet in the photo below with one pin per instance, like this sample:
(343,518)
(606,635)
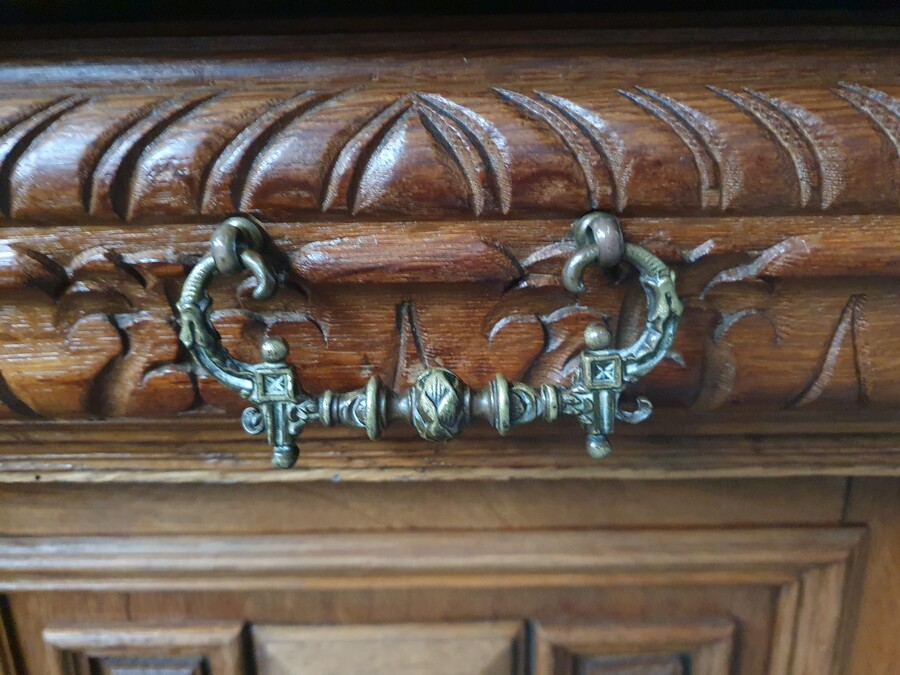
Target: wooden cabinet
(418,190)
(562,601)
(776,590)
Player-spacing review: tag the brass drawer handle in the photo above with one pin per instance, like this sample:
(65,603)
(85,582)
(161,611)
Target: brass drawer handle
(439,405)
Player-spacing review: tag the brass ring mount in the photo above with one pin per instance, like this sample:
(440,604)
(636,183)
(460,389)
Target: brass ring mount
(439,404)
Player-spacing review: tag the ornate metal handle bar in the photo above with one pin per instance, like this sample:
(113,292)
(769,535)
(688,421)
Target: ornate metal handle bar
(439,405)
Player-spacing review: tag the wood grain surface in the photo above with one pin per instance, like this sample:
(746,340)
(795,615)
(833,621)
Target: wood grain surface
(776,317)
(418,192)
(150,650)
(631,582)
(877,502)
(601,570)
(481,150)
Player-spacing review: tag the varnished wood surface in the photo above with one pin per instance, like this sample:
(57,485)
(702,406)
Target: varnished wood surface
(120,509)
(725,562)
(417,190)
(367,151)
(708,646)
(151,650)
(877,503)
(495,575)
(504,513)
(486,648)
(774,317)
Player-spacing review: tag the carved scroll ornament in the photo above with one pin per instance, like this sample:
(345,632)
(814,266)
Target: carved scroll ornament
(439,404)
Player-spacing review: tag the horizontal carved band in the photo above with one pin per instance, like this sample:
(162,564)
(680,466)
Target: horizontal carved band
(780,313)
(285,151)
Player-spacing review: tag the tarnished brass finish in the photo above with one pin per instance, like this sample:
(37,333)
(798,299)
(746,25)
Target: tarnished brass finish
(600,242)
(439,405)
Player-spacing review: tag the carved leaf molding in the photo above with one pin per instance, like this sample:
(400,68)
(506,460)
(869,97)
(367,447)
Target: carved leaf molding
(281,153)
(94,335)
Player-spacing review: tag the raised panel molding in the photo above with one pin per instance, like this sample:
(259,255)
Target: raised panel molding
(640,665)
(411,649)
(634,648)
(497,649)
(198,649)
(796,579)
(816,557)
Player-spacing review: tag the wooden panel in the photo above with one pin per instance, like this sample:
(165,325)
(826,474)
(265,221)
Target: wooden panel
(191,450)
(450,649)
(785,589)
(92,335)
(876,649)
(145,650)
(117,509)
(773,331)
(642,649)
(661,665)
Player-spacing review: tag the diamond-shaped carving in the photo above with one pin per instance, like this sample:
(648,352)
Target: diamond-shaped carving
(273,385)
(602,371)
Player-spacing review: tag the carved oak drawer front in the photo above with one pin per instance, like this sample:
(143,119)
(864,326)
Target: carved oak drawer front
(418,210)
